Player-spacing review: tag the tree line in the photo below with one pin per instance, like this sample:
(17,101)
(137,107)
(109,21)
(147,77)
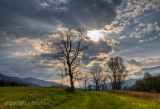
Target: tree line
(149,83)
(8,83)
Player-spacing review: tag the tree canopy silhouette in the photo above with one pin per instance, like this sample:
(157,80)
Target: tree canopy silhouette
(69,45)
(117,72)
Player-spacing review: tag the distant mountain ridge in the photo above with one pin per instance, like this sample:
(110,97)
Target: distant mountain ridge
(33,82)
(128,83)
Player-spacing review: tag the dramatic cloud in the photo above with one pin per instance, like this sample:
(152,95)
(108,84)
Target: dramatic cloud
(98,53)
(38,18)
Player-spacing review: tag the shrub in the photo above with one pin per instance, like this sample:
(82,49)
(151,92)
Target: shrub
(68,89)
(153,91)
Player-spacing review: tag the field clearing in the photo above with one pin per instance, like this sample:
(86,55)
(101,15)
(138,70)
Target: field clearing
(51,98)
(147,95)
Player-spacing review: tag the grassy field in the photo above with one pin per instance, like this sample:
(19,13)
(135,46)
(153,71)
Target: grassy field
(50,98)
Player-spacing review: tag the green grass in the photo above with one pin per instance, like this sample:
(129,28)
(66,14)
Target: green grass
(60,99)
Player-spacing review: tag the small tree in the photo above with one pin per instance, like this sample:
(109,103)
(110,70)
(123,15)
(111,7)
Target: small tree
(62,75)
(85,79)
(117,72)
(89,87)
(97,75)
(103,81)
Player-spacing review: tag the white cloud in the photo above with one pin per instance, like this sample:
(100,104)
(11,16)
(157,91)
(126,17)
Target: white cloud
(143,29)
(141,41)
(157,27)
(44,4)
(122,37)
(114,29)
(133,10)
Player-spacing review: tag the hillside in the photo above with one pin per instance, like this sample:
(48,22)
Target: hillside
(51,98)
(29,81)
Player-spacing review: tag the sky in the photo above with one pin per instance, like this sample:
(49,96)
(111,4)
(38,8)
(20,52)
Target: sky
(126,28)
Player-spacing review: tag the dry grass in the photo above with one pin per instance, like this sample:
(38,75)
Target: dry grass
(154,96)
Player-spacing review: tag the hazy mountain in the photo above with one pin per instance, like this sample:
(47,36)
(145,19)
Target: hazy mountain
(15,79)
(128,83)
(29,81)
(41,83)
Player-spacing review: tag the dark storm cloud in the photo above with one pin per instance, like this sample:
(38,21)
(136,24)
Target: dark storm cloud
(89,13)
(98,47)
(37,18)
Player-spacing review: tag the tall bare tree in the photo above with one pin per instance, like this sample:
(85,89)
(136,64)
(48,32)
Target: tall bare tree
(117,72)
(97,75)
(69,45)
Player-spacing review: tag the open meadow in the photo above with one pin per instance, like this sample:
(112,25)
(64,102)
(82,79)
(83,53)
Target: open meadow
(52,98)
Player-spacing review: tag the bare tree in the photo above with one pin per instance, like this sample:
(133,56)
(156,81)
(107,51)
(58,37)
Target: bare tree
(69,45)
(89,87)
(78,69)
(103,81)
(97,75)
(62,75)
(85,79)
(117,72)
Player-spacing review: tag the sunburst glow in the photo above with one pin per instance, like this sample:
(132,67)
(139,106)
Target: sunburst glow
(96,34)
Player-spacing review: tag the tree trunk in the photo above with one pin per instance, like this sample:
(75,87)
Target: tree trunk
(119,85)
(114,85)
(96,86)
(71,79)
(72,84)
(103,87)
(85,87)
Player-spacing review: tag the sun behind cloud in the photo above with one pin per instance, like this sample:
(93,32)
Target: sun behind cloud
(96,34)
